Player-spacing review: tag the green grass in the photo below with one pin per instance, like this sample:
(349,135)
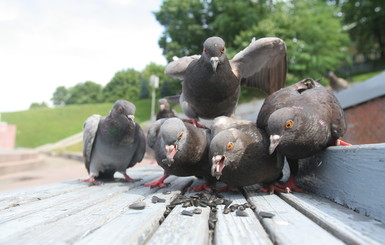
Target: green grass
(362,77)
(48,125)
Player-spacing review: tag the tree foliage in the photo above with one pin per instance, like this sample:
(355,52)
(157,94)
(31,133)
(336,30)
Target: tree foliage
(84,93)
(60,96)
(124,85)
(311,30)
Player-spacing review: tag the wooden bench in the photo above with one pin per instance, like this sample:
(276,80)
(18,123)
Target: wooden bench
(75,213)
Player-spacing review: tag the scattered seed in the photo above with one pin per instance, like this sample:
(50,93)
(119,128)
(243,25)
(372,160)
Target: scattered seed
(214,209)
(253,207)
(226,211)
(247,205)
(166,192)
(266,214)
(241,213)
(242,208)
(137,205)
(187,213)
(197,211)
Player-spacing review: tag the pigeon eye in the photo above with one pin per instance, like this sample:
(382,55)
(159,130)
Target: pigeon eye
(120,109)
(289,124)
(230,146)
(223,50)
(205,50)
(180,135)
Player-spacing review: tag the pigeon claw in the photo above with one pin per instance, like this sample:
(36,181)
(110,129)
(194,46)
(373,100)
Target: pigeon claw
(342,143)
(129,179)
(289,186)
(158,183)
(202,187)
(195,123)
(227,188)
(91,180)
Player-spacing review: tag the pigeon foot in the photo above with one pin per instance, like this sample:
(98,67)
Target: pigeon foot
(91,180)
(342,143)
(202,187)
(194,122)
(289,186)
(227,188)
(158,183)
(129,179)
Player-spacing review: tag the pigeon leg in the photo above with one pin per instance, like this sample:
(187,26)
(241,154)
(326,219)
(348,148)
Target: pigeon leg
(201,187)
(290,185)
(91,180)
(341,142)
(159,182)
(194,122)
(129,179)
(273,188)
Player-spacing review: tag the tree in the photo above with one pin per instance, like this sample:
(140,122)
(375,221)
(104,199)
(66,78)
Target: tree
(36,105)
(84,93)
(124,85)
(60,96)
(365,20)
(144,90)
(172,86)
(311,30)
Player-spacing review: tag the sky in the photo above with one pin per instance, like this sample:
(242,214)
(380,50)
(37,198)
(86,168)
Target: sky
(45,44)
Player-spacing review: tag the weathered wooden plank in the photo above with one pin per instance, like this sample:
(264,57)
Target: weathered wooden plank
(21,219)
(135,226)
(232,229)
(349,226)
(351,176)
(181,229)
(288,226)
(74,225)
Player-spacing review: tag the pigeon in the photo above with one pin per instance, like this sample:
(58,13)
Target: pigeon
(180,148)
(112,143)
(211,82)
(337,83)
(165,110)
(301,120)
(239,154)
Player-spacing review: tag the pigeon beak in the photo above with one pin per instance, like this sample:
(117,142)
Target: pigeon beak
(214,63)
(218,164)
(161,107)
(170,153)
(274,142)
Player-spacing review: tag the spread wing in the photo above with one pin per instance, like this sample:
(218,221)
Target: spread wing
(90,128)
(262,64)
(178,67)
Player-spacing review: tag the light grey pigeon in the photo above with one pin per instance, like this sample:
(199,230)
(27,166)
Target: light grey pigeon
(239,152)
(337,83)
(301,120)
(211,82)
(112,143)
(180,148)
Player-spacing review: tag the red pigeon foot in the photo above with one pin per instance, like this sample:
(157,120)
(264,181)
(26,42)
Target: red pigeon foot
(129,179)
(159,183)
(289,185)
(91,180)
(342,143)
(227,188)
(194,122)
(201,187)
(272,188)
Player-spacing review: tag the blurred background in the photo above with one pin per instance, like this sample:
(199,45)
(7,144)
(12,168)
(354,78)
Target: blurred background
(63,61)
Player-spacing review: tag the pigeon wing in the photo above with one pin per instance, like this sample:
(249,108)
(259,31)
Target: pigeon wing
(90,128)
(262,64)
(178,67)
(141,149)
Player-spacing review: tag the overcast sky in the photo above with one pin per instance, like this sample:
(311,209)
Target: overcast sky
(45,44)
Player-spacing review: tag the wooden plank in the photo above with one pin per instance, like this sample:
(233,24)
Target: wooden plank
(349,226)
(350,175)
(22,219)
(181,229)
(288,226)
(75,225)
(135,226)
(232,229)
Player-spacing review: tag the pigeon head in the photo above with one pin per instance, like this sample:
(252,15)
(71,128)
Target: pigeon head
(163,104)
(214,51)
(286,127)
(173,133)
(226,149)
(123,113)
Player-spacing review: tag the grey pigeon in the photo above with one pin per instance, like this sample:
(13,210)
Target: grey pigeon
(211,82)
(181,149)
(301,120)
(337,83)
(165,110)
(240,154)
(112,143)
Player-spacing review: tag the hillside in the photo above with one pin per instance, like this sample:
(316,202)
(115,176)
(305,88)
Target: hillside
(40,126)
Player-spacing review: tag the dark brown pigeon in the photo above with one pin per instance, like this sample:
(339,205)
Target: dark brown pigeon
(180,148)
(165,110)
(301,120)
(112,143)
(211,82)
(240,154)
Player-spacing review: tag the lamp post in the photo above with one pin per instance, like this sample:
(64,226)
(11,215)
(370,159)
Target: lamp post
(154,82)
